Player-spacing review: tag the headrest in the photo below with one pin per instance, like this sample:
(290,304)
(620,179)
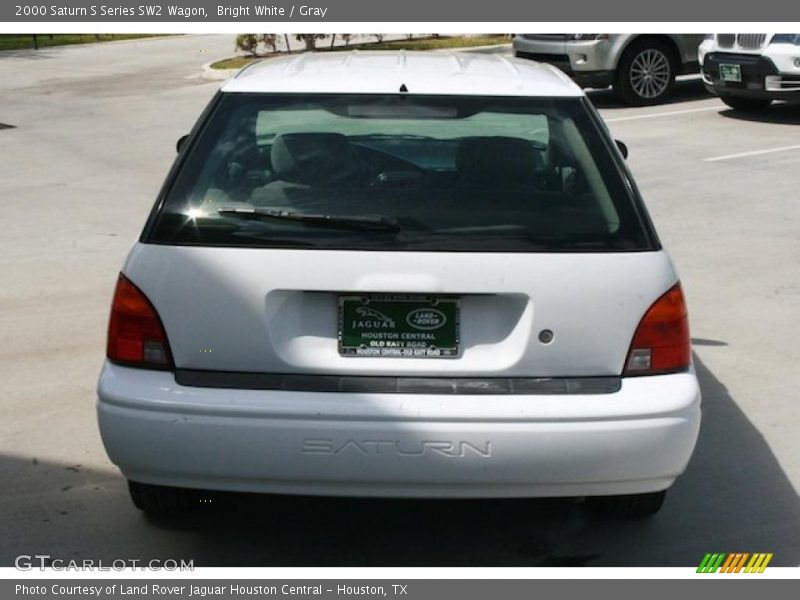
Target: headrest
(497,160)
(313,158)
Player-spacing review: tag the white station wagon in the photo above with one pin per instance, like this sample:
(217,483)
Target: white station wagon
(403,275)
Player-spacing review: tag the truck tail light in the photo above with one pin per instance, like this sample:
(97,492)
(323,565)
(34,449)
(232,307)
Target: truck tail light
(136,336)
(661,343)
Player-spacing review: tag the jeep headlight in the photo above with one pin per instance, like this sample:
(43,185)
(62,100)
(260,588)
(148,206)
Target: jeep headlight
(786,38)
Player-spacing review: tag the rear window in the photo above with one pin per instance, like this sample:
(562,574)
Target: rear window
(400,172)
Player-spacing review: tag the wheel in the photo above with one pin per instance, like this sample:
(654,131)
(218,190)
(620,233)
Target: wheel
(748,104)
(633,506)
(646,72)
(159,499)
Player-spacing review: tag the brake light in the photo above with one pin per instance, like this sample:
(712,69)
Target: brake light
(661,343)
(136,336)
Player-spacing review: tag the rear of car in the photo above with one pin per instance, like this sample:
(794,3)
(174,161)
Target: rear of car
(351,287)
(750,70)
(641,67)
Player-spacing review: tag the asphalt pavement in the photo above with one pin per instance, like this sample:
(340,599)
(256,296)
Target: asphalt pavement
(91,134)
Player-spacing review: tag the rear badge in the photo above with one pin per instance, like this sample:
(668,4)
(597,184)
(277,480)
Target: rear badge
(446,448)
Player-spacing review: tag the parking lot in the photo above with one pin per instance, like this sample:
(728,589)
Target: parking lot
(91,134)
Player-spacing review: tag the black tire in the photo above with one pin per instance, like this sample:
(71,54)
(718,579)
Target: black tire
(633,506)
(746,104)
(631,84)
(159,499)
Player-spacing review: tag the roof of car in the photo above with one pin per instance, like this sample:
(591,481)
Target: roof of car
(384,72)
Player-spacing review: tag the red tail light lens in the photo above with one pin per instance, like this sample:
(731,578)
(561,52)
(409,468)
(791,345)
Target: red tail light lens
(136,336)
(661,343)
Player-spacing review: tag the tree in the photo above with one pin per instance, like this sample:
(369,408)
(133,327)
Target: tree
(379,36)
(248,42)
(310,39)
(270,40)
(346,37)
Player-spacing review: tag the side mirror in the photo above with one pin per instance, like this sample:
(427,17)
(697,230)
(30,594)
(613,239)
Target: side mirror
(182,141)
(621,145)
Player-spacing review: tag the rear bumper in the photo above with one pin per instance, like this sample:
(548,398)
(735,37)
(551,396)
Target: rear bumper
(638,439)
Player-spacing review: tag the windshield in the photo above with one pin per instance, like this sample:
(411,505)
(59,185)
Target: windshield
(400,172)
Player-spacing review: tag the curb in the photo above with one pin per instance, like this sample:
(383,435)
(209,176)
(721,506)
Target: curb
(210,74)
(495,48)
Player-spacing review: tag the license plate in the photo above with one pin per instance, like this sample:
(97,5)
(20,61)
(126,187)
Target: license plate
(732,73)
(399,326)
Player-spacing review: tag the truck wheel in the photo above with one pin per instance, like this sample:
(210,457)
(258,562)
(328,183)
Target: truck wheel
(159,499)
(646,72)
(633,506)
(746,104)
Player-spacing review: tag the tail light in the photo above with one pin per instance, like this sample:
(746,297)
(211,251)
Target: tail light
(136,336)
(661,343)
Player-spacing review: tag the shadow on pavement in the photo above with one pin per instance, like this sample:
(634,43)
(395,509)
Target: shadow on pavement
(705,342)
(779,113)
(733,497)
(685,90)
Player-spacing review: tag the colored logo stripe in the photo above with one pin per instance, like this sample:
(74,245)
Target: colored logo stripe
(711,563)
(758,563)
(734,562)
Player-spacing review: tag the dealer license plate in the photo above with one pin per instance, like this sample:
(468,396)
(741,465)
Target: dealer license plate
(399,326)
(732,73)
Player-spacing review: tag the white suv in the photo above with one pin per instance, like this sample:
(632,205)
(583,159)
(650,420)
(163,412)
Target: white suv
(750,70)
(389,274)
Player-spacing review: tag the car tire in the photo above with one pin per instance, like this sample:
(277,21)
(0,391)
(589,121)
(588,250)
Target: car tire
(746,104)
(632,506)
(646,72)
(159,499)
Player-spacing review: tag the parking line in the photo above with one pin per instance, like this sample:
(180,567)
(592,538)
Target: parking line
(753,153)
(663,114)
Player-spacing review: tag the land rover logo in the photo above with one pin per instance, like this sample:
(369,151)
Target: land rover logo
(426,319)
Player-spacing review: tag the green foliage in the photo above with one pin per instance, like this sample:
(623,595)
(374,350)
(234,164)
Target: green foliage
(270,40)
(310,39)
(247,42)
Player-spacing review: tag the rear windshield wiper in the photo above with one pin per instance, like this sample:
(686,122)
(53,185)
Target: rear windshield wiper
(366,222)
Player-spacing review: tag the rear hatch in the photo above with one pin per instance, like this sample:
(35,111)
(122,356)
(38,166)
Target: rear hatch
(277,311)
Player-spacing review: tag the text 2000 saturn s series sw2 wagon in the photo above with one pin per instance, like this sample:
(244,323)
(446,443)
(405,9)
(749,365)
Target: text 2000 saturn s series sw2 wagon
(388,274)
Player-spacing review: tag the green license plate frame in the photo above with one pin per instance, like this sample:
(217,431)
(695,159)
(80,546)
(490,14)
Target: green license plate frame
(399,326)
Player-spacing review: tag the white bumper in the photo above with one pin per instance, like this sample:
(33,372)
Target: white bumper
(636,440)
